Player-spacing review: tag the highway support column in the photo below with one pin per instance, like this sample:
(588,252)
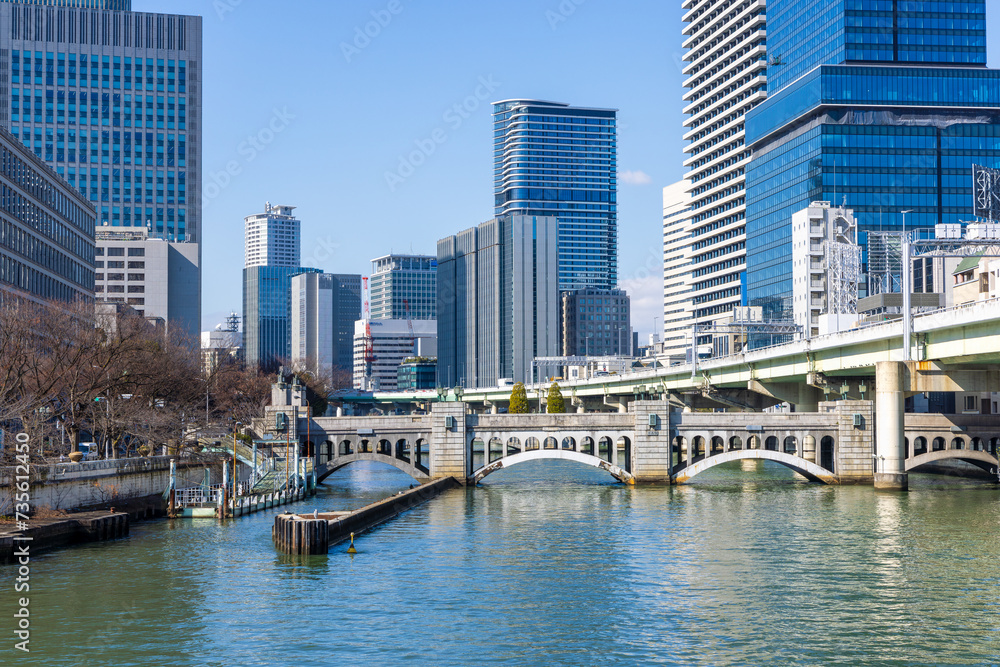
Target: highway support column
(890,444)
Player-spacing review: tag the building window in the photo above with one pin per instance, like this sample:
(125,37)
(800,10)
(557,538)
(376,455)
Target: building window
(137,265)
(116,289)
(136,252)
(970,402)
(116,252)
(136,289)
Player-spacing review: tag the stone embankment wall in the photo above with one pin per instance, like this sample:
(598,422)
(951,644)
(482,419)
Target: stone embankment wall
(102,483)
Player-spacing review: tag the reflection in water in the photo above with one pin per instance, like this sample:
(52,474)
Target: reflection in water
(549,563)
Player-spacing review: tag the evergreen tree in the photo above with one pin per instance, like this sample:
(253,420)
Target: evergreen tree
(556,404)
(518,400)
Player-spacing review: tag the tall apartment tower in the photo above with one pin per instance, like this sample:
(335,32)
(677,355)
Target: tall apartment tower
(111,99)
(881,108)
(498,301)
(551,159)
(725,43)
(273,238)
(324,309)
(678,309)
(404,287)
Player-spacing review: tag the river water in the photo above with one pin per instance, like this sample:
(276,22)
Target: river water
(547,563)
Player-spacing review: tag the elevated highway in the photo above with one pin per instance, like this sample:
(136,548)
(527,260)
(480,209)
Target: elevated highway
(956,349)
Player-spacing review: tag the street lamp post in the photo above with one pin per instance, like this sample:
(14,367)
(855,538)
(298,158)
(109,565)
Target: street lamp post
(236,430)
(907,289)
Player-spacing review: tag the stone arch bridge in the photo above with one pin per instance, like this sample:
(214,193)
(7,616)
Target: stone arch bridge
(649,443)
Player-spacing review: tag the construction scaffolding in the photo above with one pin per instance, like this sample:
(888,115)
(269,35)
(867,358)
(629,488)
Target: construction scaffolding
(885,263)
(843,265)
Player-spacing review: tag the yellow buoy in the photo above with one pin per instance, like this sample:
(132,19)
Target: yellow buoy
(351,549)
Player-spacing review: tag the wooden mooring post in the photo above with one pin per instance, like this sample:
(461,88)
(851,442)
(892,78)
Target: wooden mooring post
(293,534)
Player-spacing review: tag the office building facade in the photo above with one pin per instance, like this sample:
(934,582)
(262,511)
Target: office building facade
(725,44)
(46,230)
(883,110)
(498,300)
(273,238)
(324,309)
(157,278)
(551,159)
(417,374)
(596,323)
(111,99)
(404,287)
(267,314)
(392,344)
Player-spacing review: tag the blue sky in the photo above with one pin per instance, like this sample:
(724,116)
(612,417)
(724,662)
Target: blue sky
(299,110)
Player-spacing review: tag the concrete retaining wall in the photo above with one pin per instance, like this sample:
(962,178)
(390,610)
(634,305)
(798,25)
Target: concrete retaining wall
(51,533)
(81,487)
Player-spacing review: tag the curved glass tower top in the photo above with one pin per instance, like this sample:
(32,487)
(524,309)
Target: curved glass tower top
(557,160)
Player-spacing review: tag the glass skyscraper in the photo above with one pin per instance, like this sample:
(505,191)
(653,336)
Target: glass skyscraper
(404,287)
(551,159)
(267,313)
(879,105)
(110,99)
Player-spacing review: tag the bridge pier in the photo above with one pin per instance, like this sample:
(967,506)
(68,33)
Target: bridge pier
(890,444)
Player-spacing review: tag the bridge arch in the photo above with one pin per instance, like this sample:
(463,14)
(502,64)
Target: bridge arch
(807,469)
(983,460)
(327,469)
(563,454)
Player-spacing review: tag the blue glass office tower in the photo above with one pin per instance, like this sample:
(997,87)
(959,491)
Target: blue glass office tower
(551,159)
(267,312)
(882,105)
(111,99)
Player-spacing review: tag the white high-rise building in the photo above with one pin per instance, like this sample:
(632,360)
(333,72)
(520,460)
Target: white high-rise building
(677,307)
(725,43)
(826,268)
(273,237)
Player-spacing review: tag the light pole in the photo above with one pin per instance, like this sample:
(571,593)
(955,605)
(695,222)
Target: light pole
(236,430)
(907,288)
